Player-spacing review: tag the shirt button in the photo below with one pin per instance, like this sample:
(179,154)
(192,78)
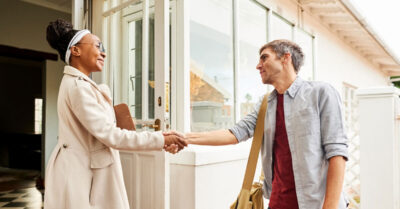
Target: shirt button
(65,146)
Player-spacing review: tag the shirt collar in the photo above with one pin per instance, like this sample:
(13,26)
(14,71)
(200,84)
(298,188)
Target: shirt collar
(294,88)
(291,91)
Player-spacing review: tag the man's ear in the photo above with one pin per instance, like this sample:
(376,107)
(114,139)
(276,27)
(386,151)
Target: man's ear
(287,57)
(75,51)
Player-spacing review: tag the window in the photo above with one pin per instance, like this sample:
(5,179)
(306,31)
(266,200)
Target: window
(280,28)
(252,35)
(38,115)
(213,55)
(211,64)
(306,41)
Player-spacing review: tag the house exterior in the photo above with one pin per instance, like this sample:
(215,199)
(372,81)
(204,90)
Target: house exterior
(191,64)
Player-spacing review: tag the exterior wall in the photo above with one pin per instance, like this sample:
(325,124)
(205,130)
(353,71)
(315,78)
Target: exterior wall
(24,25)
(336,62)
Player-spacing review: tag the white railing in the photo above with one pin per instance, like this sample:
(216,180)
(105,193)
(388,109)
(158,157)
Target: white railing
(380,147)
(352,176)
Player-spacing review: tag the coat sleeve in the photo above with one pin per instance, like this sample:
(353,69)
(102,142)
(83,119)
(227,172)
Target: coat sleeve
(94,118)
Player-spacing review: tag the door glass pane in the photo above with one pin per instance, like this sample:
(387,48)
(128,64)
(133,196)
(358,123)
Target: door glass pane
(151,66)
(135,68)
(252,36)
(211,66)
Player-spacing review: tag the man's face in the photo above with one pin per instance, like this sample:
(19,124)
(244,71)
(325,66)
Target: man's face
(270,66)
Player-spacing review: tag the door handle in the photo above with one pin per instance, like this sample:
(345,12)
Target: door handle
(156,124)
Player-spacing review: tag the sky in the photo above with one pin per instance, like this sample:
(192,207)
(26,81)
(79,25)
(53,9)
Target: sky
(384,17)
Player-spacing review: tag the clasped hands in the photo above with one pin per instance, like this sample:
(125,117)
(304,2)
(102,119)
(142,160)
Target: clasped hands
(174,141)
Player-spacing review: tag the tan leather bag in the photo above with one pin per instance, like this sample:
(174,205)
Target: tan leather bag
(123,117)
(251,195)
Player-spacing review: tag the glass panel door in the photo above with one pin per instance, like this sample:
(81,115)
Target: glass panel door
(129,34)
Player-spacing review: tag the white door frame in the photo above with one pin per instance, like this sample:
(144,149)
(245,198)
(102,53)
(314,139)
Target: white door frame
(146,174)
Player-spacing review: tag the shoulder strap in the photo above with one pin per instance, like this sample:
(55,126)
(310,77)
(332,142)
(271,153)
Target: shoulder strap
(255,146)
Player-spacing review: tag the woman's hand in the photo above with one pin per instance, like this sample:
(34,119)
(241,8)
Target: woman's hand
(174,142)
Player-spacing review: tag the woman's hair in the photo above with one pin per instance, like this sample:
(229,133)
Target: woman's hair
(58,34)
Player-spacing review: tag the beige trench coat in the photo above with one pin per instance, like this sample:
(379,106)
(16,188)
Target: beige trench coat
(84,170)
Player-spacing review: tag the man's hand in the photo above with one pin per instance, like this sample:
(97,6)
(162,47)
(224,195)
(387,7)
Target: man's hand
(174,142)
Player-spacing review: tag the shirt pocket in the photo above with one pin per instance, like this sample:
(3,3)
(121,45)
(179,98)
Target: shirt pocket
(101,158)
(305,122)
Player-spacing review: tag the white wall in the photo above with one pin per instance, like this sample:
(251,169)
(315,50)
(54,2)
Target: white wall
(336,62)
(24,25)
(54,75)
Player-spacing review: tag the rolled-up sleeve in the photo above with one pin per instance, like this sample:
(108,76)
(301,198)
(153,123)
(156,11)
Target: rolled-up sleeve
(333,132)
(244,129)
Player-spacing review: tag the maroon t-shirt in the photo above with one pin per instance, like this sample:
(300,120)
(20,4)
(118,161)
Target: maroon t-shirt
(283,195)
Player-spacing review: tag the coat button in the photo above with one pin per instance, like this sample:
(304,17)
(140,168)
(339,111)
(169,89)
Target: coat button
(65,146)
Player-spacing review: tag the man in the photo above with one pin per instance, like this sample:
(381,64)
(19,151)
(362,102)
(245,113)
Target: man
(304,148)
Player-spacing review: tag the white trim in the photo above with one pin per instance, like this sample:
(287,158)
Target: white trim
(125,63)
(314,56)
(145,60)
(183,67)
(394,79)
(161,58)
(236,54)
(161,75)
(119,7)
(49,5)
(174,57)
(387,91)
(269,28)
(77,14)
(199,155)
(97,28)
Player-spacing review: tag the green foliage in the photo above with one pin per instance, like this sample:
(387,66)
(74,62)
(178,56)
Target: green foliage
(396,83)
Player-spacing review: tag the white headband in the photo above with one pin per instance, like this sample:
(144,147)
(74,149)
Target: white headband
(77,37)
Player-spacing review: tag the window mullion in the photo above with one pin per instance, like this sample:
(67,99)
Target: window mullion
(235,26)
(145,60)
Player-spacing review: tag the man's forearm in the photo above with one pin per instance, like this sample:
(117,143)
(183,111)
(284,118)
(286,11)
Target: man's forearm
(220,137)
(334,182)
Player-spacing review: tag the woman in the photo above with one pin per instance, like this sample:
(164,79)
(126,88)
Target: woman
(84,170)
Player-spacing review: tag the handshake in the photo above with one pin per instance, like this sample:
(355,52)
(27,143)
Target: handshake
(174,141)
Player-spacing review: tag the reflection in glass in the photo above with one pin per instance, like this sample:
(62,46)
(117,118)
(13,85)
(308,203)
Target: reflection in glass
(211,67)
(252,35)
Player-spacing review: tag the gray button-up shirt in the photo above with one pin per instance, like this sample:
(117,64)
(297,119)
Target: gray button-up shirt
(316,132)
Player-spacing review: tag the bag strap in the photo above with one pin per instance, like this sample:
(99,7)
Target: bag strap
(255,146)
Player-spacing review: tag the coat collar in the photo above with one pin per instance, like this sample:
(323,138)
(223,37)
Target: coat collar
(69,70)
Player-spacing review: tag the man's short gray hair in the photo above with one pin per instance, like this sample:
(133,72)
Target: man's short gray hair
(282,46)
